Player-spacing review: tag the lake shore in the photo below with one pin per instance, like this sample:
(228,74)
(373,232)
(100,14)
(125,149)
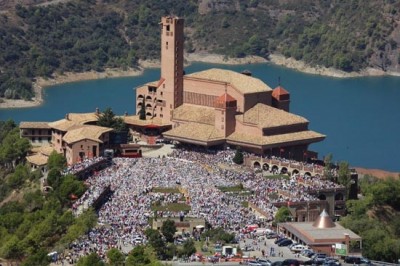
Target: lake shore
(276,59)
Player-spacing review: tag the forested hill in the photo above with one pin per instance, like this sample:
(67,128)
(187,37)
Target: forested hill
(39,38)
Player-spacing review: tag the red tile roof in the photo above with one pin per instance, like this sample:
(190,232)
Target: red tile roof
(225,100)
(279,91)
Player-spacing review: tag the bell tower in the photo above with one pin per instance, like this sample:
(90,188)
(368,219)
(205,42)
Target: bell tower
(171,89)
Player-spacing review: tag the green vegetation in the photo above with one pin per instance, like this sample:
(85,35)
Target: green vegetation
(108,119)
(218,235)
(32,223)
(238,159)
(282,215)
(79,35)
(375,217)
(237,188)
(168,229)
(165,190)
(174,207)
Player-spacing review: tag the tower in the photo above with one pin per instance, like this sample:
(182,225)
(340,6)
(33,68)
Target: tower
(171,89)
(225,111)
(281,98)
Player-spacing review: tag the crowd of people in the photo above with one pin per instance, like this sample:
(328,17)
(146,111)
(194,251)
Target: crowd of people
(83,165)
(200,173)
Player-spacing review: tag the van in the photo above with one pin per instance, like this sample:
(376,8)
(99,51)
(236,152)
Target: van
(262,231)
(250,228)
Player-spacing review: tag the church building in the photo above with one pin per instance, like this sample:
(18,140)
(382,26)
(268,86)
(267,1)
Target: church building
(219,107)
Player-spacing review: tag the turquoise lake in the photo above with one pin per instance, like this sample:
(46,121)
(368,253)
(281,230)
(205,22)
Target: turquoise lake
(360,116)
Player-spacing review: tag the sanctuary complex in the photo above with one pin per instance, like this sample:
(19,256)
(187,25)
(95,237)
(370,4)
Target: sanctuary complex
(215,107)
(219,107)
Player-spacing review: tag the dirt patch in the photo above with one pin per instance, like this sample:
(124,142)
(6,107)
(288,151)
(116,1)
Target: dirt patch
(382,174)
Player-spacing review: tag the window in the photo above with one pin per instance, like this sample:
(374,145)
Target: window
(161,93)
(167,27)
(163,86)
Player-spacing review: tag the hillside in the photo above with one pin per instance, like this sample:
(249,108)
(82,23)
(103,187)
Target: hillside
(39,38)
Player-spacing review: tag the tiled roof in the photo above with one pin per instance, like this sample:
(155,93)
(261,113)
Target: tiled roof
(46,150)
(44,125)
(195,131)
(278,91)
(37,159)
(281,139)
(195,113)
(62,125)
(265,116)
(135,120)
(85,132)
(245,84)
(73,120)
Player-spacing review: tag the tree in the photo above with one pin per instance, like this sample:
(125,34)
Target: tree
(156,241)
(328,166)
(91,260)
(142,256)
(238,159)
(142,112)
(108,119)
(17,179)
(56,161)
(13,148)
(116,257)
(344,175)
(188,248)
(282,215)
(168,229)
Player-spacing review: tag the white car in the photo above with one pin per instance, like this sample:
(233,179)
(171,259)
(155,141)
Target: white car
(298,248)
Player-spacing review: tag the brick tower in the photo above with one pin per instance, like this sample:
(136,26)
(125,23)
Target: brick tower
(171,90)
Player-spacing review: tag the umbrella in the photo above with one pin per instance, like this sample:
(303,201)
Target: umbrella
(199,226)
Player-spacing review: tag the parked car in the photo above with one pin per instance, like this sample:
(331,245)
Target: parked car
(290,262)
(279,240)
(285,243)
(264,262)
(319,258)
(298,248)
(271,235)
(331,262)
(307,253)
(253,263)
(357,260)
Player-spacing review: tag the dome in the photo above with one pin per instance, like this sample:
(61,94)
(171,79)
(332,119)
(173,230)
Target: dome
(324,221)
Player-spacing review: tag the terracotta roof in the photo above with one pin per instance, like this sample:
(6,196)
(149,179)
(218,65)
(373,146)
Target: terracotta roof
(195,131)
(74,119)
(265,116)
(278,91)
(85,132)
(161,81)
(195,113)
(281,140)
(46,150)
(62,125)
(245,84)
(44,125)
(135,120)
(225,100)
(37,159)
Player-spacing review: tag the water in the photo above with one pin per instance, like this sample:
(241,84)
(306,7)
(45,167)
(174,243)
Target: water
(360,116)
